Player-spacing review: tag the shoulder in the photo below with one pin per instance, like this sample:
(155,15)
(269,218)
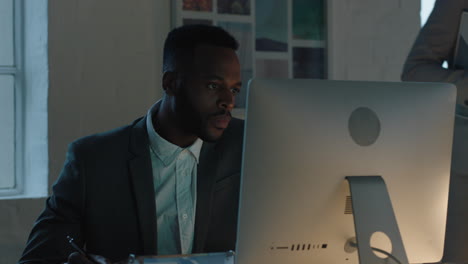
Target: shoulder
(112,141)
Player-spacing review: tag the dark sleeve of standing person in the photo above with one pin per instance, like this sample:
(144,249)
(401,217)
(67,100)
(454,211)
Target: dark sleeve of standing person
(435,44)
(61,217)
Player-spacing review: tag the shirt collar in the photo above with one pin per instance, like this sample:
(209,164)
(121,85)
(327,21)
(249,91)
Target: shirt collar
(165,150)
(195,149)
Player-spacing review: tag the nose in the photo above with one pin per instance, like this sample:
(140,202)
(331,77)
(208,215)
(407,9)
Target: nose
(226,100)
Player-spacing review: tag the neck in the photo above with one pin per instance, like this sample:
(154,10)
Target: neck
(167,124)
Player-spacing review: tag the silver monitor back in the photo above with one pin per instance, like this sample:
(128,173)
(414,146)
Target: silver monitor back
(303,138)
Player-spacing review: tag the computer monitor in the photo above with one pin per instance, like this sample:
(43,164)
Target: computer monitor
(303,137)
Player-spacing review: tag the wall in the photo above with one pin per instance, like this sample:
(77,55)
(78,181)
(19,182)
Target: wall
(370,39)
(105,64)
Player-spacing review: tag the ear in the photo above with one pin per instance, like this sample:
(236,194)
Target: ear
(169,83)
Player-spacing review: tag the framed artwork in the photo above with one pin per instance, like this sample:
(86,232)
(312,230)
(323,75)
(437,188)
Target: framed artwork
(277,38)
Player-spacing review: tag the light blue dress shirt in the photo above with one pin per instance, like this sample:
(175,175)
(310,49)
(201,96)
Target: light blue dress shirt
(175,178)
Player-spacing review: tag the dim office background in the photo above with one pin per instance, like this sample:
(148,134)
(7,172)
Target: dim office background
(104,70)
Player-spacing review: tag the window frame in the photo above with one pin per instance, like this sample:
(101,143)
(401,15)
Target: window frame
(16,70)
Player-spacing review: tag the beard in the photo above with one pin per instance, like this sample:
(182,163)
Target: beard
(194,122)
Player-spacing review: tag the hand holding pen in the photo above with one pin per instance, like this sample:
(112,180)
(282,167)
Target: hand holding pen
(82,257)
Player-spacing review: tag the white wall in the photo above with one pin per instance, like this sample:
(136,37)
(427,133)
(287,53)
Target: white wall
(105,63)
(370,39)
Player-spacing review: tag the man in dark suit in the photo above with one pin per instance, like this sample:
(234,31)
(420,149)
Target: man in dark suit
(166,184)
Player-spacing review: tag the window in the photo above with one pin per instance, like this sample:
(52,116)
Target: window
(426,9)
(10,86)
(23,98)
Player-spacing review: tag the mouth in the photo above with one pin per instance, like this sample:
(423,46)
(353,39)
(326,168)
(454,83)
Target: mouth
(221,121)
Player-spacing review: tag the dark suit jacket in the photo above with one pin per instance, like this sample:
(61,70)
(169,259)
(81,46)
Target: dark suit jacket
(105,199)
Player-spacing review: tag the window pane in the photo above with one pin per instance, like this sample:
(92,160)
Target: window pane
(6,33)
(7,131)
(426,9)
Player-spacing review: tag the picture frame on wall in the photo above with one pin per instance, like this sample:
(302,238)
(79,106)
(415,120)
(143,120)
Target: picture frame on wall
(277,38)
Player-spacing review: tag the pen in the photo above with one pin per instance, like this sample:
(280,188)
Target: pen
(81,251)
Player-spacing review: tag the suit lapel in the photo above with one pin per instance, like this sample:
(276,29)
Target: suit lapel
(142,180)
(206,175)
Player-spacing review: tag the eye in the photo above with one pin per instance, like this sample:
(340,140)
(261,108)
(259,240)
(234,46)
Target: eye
(212,86)
(235,91)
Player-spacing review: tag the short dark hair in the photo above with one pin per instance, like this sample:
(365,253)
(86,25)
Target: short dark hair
(181,42)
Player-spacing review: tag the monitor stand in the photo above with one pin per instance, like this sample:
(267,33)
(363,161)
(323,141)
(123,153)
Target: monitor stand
(373,212)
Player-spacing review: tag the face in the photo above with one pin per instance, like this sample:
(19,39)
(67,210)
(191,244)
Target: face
(207,92)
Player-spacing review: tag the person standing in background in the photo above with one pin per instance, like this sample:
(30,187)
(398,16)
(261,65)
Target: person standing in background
(436,43)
